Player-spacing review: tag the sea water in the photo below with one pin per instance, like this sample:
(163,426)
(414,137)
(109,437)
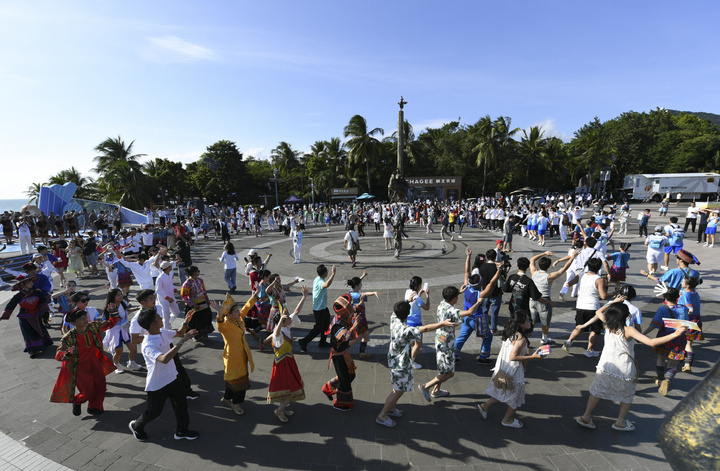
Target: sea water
(12,205)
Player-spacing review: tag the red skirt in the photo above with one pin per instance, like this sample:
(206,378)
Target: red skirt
(285,382)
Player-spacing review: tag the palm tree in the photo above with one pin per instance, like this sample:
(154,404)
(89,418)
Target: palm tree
(495,138)
(362,146)
(33,192)
(590,157)
(486,149)
(533,150)
(121,174)
(284,157)
(72,175)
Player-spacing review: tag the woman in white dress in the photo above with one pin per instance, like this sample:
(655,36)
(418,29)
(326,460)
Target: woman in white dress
(387,234)
(119,335)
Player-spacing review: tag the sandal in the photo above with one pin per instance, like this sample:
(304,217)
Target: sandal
(425,393)
(629,427)
(387,423)
(441,393)
(282,417)
(396,413)
(582,423)
(514,424)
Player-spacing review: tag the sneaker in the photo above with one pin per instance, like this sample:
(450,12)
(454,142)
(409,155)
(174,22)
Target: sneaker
(566,346)
(483,361)
(119,369)
(342,408)
(711,246)
(187,435)
(705,244)
(561,297)
(664,267)
(237,409)
(303,345)
(192,395)
(227,402)
(591,353)
(545,341)
(416,366)
(139,436)
(134,366)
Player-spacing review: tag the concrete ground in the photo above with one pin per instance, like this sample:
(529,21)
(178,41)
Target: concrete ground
(448,434)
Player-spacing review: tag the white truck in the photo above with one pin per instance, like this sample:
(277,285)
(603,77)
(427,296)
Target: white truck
(654,186)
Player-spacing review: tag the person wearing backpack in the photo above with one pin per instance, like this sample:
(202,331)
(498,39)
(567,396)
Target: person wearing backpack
(655,243)
(675,235)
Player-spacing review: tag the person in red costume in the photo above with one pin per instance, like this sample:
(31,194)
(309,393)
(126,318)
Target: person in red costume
(83,363)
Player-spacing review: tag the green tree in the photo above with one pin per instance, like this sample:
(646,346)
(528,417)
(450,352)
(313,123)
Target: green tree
(121,175)
(220,175)
(85,187)
(532,150)
(362,146)
(33,192)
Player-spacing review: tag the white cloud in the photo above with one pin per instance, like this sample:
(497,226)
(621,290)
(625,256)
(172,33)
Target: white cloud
(550,129)
(257,152)
(173,49)
(430,123)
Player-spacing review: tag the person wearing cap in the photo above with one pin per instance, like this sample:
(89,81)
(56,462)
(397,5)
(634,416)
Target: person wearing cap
(342,337)
(84,365)
(674,278)
(33,305)
(655,243)
(676,236)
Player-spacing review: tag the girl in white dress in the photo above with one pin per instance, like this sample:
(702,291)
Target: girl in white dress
(617,369)
(387,234)
(511,361)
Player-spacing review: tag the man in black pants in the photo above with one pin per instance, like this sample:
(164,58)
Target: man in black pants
(162,383)
(147,299)
(320,309)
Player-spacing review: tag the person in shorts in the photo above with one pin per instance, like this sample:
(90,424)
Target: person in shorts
(655,243)
(402,337)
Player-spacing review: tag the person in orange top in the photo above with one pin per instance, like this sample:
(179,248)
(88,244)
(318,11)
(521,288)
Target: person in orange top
(237,354)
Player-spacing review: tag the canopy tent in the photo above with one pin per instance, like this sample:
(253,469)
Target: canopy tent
(523,191)
(293,200)
(365,196)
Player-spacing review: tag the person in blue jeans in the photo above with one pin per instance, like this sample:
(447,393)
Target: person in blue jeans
(478,321)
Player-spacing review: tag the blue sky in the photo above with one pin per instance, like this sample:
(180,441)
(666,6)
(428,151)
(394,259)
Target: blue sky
(176,76)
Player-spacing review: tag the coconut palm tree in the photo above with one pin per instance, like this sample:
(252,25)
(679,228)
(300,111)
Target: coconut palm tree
(121,173)
(361,144)
(589,155)
(486,149)
(72,175)
(532,150)
(285,158)
(33,192)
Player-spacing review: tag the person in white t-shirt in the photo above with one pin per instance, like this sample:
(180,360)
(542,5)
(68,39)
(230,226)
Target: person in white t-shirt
(162,381)
(297,245)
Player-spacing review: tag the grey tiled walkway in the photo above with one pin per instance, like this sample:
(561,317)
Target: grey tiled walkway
(448,434)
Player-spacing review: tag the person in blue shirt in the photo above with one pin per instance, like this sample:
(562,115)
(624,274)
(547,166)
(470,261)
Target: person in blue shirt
(674,278)
(620,264)
(673,351)
(691,299)
(675,235)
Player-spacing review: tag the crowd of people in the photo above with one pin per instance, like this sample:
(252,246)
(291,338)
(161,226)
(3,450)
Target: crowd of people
(145,260)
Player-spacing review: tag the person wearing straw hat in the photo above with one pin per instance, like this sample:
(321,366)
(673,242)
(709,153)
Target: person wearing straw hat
(673,278)
(343,335)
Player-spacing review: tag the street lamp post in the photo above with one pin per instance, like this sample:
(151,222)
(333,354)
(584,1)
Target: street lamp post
(275,173)
(312,189)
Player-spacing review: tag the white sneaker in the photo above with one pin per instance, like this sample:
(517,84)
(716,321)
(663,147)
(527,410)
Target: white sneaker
(591,353)
(119,369)
(566,345)
(416,366)
(664,267)
(561,297)
(705,244)
(711,245)
(545,341)
(134,366)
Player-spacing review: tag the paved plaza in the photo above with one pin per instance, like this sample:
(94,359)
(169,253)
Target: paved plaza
(448,434)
